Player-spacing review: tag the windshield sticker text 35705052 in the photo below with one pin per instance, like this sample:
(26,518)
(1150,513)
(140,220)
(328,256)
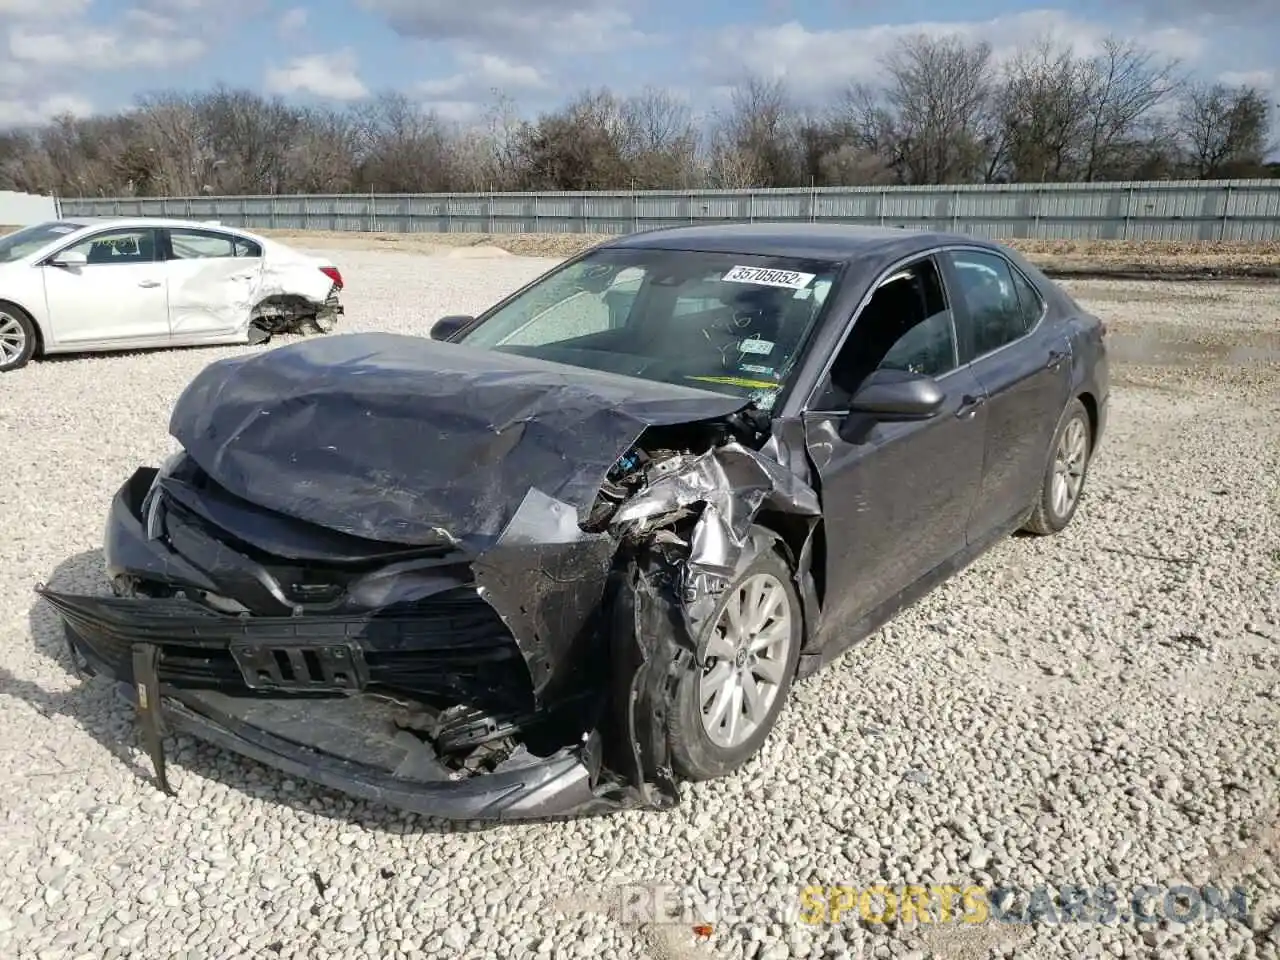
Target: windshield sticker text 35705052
(790,279)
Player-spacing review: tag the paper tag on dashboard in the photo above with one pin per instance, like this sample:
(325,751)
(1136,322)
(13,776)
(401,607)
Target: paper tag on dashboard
(757,346)
(769,278)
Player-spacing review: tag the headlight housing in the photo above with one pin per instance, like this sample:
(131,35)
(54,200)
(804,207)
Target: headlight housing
(152,517)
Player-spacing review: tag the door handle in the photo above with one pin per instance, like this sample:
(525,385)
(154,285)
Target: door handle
(149,283)
(969,405)
(1055,359)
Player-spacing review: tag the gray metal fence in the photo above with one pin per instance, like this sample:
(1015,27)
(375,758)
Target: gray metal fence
(1242,210)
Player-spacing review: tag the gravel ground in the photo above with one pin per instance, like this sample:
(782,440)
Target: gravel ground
(1097,708)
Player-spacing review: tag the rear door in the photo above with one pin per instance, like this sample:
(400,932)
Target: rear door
(213,279)
(119,294)
(1023,362)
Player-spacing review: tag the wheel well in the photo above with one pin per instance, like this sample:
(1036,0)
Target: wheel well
(285,301)
(1091,408)
(39,349)
(789,530)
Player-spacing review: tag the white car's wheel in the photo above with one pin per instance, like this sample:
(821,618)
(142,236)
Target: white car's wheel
(17,338)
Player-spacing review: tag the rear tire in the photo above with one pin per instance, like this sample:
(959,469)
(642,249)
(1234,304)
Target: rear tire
(18,337)
(745,654)
(1063,485)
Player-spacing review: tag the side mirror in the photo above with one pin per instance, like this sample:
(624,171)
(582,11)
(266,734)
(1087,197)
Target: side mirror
(446,327)
(70,258)
(893,395)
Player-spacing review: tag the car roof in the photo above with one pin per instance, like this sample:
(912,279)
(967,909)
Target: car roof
(151,222)
(817,241)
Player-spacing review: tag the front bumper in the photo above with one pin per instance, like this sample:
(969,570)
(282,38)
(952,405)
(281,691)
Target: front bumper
(351,744)
(316,695)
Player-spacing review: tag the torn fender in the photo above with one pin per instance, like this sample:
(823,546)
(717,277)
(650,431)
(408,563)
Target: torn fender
(732,485)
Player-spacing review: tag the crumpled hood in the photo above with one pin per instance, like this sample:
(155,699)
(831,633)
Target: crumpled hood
(408,440)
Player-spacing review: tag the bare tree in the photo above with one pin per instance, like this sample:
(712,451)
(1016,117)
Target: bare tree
(321,156)
(581,147)
(942,112)
(1224,129)
(1043,113)
(661,141)
(756,139)
(937,94)
(402,147)
(1125,84)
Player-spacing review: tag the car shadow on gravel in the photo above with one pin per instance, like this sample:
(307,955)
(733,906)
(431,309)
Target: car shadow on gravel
(95,705)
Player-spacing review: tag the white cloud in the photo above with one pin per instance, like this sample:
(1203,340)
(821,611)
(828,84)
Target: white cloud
(292,22)
(42,9)
(56,45)
(1204,11)
(190,17)
(23,113)
(814,61)
(99,49)
(526,26)
(481,72)
(456,111)
(331,75)
(1262,79)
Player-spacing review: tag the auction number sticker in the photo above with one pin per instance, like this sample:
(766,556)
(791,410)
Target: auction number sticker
(769,278)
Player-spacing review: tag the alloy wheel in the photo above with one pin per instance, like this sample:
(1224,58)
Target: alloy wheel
(13,339)
(1068,467)
(747,658)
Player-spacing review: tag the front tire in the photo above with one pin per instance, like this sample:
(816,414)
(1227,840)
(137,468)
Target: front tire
(17,338)
(724,711)
(1064,479)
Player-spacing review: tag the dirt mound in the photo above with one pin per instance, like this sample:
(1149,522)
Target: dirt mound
(479,252)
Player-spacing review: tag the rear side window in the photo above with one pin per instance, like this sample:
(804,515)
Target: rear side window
(1029,299)
(206,244)
(996,315)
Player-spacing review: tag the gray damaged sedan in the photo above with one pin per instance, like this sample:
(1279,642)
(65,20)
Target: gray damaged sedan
(561,556)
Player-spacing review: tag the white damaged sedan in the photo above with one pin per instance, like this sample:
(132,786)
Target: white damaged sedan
(79,285)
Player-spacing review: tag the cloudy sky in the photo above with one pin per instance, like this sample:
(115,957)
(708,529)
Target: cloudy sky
(96,55)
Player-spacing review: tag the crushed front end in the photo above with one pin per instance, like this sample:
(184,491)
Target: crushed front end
(460,585)
(368,668)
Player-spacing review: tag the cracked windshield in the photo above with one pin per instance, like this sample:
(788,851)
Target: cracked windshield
(721,322)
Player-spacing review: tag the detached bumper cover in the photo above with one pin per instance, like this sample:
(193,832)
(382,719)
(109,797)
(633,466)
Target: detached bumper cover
(561,785)
(345,742)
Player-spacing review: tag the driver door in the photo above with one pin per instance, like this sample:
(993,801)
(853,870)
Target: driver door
(896,495)
(119,294)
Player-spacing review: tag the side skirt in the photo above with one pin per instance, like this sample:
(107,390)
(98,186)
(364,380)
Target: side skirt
(837,643)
